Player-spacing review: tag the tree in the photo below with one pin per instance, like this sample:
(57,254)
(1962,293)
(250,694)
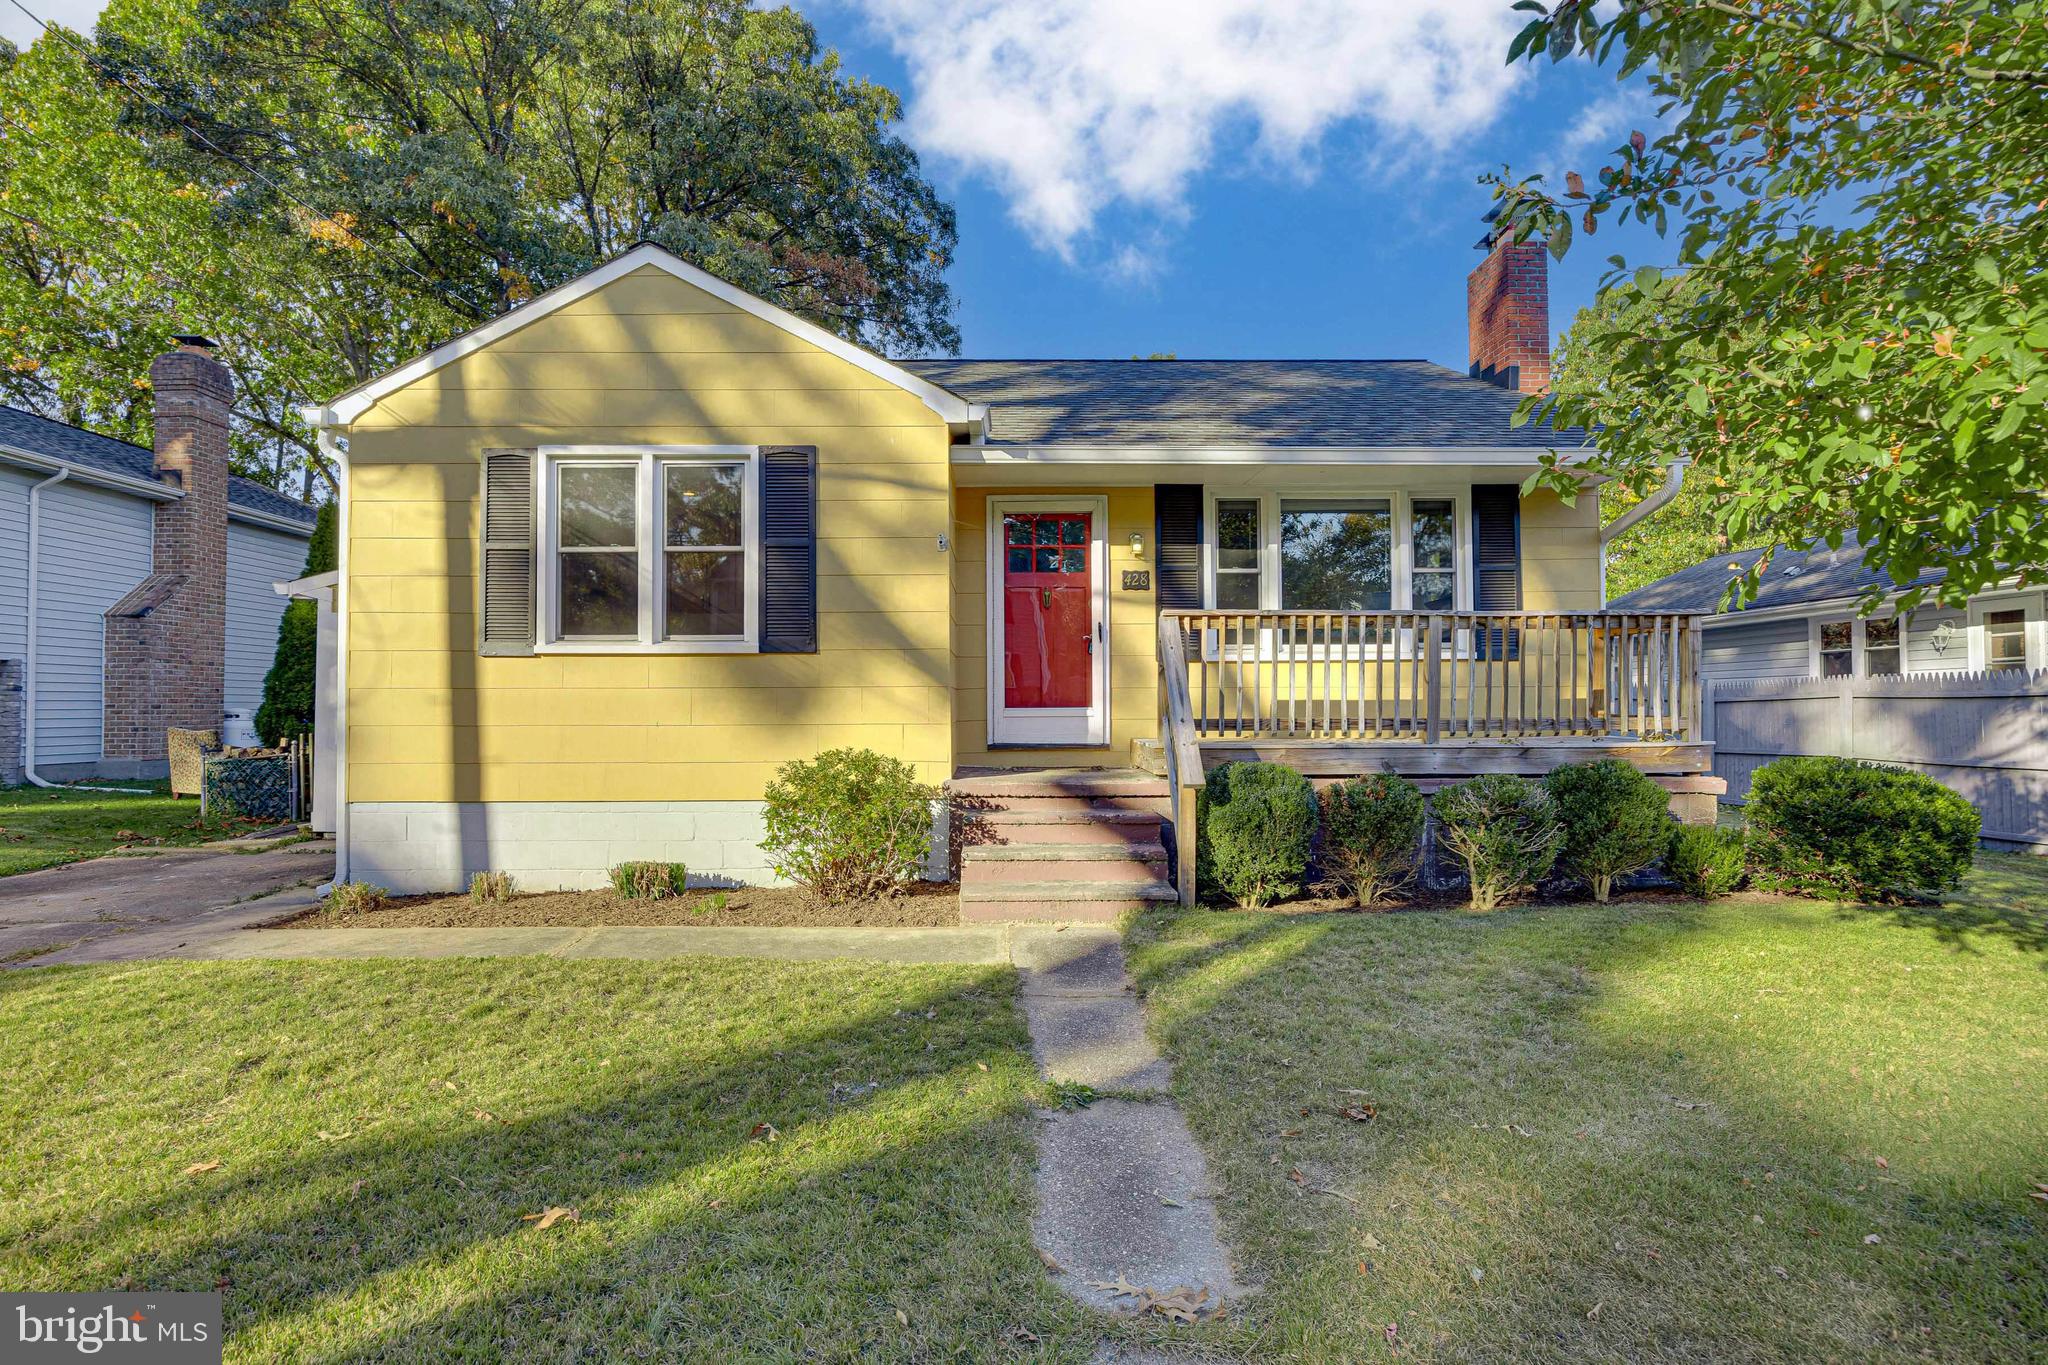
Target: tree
(478,151)
(290,688)
(1855,330)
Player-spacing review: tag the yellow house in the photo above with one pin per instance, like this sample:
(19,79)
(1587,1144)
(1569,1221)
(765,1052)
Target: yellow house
(612,558)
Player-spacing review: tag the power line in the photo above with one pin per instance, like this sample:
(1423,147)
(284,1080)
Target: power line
(218,150)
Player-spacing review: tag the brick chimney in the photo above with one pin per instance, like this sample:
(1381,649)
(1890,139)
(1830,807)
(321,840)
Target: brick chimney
(1507,308)
(166,640)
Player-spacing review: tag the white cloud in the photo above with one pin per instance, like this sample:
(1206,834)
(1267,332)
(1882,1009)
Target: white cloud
(1076,108)
(1599,128)
(76,15)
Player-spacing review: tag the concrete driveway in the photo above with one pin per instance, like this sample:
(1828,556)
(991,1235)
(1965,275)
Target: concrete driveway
(130,907)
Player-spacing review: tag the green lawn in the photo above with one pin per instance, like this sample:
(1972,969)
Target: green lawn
(1762,1130)
(383,1128)
(44,828)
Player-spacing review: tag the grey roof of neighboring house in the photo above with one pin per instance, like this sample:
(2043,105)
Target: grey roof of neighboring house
(1239,403)
(1795,577)
(75,445)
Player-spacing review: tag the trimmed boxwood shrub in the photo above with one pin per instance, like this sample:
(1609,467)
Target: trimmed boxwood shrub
(1865,831)
(1616,821)
(1257,821)
(1705,862)
(850,824)
(1504,829)
(1372,834)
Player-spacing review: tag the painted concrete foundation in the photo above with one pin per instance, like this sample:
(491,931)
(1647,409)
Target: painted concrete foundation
(413,847)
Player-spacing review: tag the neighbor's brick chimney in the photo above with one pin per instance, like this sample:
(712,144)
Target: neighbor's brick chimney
(166,640)
(1507,308)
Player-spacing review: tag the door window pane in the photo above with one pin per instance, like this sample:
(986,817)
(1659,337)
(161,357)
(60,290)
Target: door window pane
(597,505)
(1336,556)
(1433,542)
(706,593)
(2005,640)
(600,595)
(1016,530)
(703,504)
(1837,659)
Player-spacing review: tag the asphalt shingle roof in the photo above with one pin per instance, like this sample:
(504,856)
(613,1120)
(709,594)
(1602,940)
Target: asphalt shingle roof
(1239,403)
(1795,577)
(60,441)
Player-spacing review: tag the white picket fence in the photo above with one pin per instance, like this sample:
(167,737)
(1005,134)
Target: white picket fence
(1983,735)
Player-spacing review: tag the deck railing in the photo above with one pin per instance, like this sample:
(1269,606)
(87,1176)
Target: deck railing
(1471,679)
(1428,677)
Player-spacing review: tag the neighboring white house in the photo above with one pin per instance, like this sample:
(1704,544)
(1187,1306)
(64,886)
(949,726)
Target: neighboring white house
(105,517)
(1805,622)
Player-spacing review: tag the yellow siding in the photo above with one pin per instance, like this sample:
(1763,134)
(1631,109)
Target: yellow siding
(648,359)
(1561,552)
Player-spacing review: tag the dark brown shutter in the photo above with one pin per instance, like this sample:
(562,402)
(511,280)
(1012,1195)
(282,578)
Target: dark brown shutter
(1177,541)
(1497,556)
(508,554)
(789,550)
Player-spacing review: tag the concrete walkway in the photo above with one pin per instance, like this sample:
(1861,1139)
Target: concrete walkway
(148,905)
(1123,1192)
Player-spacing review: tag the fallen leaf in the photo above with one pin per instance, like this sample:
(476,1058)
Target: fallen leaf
(1883,1165)
(1477,1274)
(1593,1313)
(1289,1133)
(1372,1243)
(1872,1240)
(1297,1177)
(1392,1331)
(1781,1272)
(1359,1113)
(1168,1203)
(981,1066)
(201,1167)
(483,1116)
(2040,1191)
(1690,1104)
(1364,1268)
(1050,1264)
(902,1318)
(1028,1338)
(763,1132)
(547,1218)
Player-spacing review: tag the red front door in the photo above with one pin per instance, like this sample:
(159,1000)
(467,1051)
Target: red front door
(1048,621)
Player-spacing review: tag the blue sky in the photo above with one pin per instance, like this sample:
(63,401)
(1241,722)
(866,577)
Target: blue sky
(1218,177)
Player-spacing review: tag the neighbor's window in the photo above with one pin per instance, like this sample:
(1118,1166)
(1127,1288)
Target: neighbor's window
(1336,555)
(597,509)
(651,550)
(2005,640)
(1237,555)
(1432,541)
(1881,646)
(1837,649)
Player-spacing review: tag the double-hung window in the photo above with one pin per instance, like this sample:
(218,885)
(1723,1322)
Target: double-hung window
(1862,647)
(653,549)
(1367,553)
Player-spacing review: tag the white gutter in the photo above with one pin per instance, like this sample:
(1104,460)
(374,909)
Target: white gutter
(1158,454)
(141,488)
(1674,479)
(324,423)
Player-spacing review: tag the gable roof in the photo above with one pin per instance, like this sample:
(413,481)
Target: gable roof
(1796,577)
(39,437)
(351,405)
(1282,403)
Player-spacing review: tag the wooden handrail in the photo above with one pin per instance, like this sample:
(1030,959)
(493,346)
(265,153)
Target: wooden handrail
(1184,775)
(1431,677)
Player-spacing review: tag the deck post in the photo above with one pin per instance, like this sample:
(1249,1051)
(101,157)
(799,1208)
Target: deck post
(1184,837)
(1432,670)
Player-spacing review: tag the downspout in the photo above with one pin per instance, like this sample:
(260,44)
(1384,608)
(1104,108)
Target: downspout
(323,426)
(1674,479)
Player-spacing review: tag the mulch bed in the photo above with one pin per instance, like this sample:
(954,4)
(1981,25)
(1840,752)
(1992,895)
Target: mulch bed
(920,905)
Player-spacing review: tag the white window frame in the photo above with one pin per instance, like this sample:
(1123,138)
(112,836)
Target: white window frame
(1859,660)
(2036,628)
(649,522)
(1400,503)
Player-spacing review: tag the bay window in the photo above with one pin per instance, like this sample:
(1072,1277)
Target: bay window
(653,548)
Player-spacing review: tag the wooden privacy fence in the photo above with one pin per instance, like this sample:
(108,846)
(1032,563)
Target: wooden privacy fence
(1431,676)
(1982,735)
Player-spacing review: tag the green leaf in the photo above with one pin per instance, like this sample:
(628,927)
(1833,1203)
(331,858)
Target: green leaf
(1648,279)
(1696,399)
(1987,270)
(1966,436)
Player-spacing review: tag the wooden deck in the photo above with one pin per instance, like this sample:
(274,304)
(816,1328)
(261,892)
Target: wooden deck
(1435,696)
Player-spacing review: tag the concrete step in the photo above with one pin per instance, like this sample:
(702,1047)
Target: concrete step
(1150,851)
(973,806)
(1065,892)
(1143,828)
(1063,872)
(1087,783)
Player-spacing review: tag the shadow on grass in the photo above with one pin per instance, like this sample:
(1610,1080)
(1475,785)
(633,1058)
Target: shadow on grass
(1643,1131)
(897,1179)
(2003,899)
